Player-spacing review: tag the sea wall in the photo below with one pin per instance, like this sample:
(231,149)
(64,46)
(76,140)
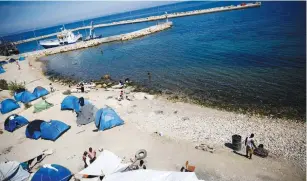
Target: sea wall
(154,18)
(95,42)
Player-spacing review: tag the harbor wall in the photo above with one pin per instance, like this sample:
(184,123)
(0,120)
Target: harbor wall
(154,18)
(95,42)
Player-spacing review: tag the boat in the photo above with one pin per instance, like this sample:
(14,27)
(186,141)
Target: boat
(65,37)
(92,34)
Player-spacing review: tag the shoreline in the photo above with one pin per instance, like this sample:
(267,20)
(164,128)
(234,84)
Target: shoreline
(182,123)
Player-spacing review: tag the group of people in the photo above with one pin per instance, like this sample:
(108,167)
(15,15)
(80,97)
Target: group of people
(89,157)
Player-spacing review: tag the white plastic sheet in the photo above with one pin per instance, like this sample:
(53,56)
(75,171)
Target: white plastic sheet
(13,171)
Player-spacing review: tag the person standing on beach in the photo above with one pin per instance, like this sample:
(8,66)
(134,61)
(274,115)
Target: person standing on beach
(250,146)
(51,87)
(85,159)
(91,154)
(18,65)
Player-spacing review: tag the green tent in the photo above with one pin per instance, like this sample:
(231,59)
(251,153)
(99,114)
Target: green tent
(42,105)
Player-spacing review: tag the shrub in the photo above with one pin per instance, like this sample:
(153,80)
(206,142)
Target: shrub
(67,92)
(3,84)
(14,86)
(27,105)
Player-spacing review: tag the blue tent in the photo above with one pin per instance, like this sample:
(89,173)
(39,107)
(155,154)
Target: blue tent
(14,122)
(53,129)
(1,69)
(12,60)
(57,173)
(40,91)
(27,97)
(3,62)
(46,130)
(18,94)
(70,103)
(22,58)
(107,118)
(8,105)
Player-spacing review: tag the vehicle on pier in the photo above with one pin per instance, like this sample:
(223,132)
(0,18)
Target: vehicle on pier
(65,37)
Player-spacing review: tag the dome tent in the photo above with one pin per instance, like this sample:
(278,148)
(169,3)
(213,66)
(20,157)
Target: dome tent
(27,97)
(8,105)
(46,130)
(107,118)
(1,69)
(14,122)
(18,94)
(13,171)
(40,92)
(70,103)
(52,172)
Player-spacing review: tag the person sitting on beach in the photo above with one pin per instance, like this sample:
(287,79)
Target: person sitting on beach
(250,146)
(85,159)
(127,80)
(91,155)
(121,83)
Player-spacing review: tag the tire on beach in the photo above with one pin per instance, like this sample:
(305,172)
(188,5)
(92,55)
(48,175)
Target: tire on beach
(141,154)
(236,142)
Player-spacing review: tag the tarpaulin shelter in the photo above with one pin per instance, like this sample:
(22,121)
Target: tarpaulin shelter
(42,105)
(87,114)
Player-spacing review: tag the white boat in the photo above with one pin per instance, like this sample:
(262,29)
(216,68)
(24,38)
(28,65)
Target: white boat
(65,37)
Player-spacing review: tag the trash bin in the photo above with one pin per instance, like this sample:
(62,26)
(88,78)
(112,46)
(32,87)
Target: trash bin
(236,142)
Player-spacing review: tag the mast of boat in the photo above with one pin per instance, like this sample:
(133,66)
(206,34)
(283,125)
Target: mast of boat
(84,29)
(91,30)
(36,39)
(166,16)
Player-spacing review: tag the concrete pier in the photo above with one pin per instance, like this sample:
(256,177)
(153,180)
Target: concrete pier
(154,18)
(95,42)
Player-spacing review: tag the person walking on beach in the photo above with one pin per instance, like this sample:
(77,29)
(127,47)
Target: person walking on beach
(250,146)
(18,65)
(85,159)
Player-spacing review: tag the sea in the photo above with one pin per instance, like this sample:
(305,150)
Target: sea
(250,60)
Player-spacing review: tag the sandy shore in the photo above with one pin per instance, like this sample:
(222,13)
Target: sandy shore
(183,126)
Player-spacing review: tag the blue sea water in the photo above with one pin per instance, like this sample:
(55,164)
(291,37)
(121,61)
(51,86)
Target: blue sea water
(248,60)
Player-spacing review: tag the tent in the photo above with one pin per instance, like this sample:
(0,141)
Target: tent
(151,175)
(14,122)
(70,103)
(33,129)
(106,163)
(107,118)
(8,105)
(1,69)
(12,60)
(3,62)
(46,130)
(40,92)
(42,105)
(27,97)
(13,171)
(52,172)
(18,94)
(22,58)
(53,129)
(86,114)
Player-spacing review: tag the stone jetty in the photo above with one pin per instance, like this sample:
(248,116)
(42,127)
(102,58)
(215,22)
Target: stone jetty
(154,18)
(95,42)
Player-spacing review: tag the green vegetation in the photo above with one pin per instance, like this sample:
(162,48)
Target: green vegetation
(14,86)
(3,84)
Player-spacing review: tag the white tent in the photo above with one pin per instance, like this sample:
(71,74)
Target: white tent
(12,171)
(151,175)
(105,164)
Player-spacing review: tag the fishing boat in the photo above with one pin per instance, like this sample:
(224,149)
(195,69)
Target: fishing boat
(65,37)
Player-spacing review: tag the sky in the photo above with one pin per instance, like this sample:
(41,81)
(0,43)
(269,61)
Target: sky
(17,16)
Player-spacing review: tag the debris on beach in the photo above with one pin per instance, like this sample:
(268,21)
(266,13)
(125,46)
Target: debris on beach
(7,150)
(205,147)
(159,112)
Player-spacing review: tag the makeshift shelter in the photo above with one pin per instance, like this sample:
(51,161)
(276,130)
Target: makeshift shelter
(42,105)
(46,130)
(14,122)
(13,171)
(1,69)
(18,94)
(27,97)
(12,60)
(40,92)
(87,114)
(151,175)
(8,105)
(52,172)
(70,103)
(106,163)
(21,58)
(107,118)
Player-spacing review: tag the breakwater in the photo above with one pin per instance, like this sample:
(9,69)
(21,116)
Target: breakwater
(154,18)
(95,42)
